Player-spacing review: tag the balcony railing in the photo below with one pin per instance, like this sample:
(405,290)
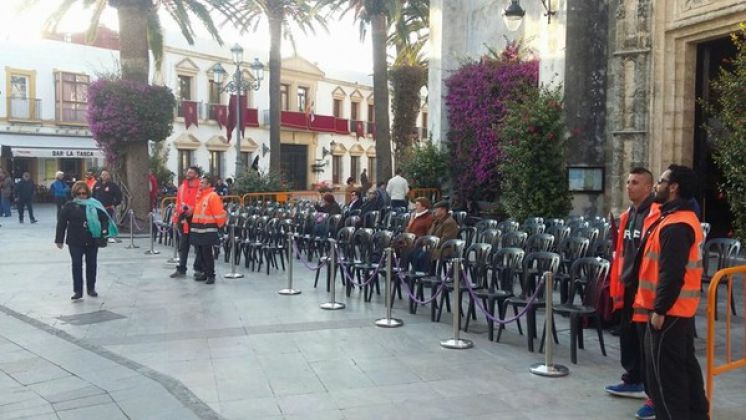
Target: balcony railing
(24,109)
(371,126)
(182,104)
(211,111)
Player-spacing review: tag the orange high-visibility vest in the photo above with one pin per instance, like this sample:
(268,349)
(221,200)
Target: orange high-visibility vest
(185,197)
(688,300)
(209,214)
(616,285)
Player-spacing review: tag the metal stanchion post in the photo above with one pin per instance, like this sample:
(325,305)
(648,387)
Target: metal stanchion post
(456,342)
(548,368)
(289,290)
(333,305)
(152,250)
(389,322)
(175,242)
(233,274)
(132,231)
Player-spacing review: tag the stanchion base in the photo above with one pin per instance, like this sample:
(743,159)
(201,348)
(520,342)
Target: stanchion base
(332,306)
(233,275)
(389,322)
(131,247)
(457,344)
(289,292)
(549,370)
(153,252)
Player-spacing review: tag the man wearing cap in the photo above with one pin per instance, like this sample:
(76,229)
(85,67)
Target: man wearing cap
(444,226)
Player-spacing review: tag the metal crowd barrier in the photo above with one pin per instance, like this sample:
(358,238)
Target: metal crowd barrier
(729,363)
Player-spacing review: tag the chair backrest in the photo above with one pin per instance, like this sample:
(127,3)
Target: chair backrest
(467,234)
(573,248)
(706,227)
(589,274)
(534,221)
(382,240)
(485,224)
(490,236)
(352,221)
(460,217)
(335,221)
(554,222)
(505,263)
(535,265)
(403,244)
(539,242)
(586,232)
(476,261)
(508,225)
(451,248)
(362,244)
(514,239)
(560,232)
(725,250)
(399,222)
(533,228)
(371,219)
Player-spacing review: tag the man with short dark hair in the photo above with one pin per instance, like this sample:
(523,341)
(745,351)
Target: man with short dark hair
(25,195)
(670,276)
(108,193)
(623,285)
(186,199)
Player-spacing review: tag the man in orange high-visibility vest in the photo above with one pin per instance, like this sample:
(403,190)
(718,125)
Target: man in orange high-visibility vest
(670,277)
(186,198)
(623,285)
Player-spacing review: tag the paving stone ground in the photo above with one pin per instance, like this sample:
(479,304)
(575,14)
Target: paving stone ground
(152,347)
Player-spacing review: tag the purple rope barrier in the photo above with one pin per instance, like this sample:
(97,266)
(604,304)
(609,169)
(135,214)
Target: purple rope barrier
(370,279)
(308,266)
(529,304)
(412,296)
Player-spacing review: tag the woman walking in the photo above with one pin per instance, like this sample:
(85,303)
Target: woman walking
(208,217)
(84,225)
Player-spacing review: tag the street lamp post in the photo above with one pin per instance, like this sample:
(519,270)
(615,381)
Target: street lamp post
(237,86)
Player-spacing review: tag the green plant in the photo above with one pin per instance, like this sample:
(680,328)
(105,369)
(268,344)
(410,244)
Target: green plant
(729,133)
(253,181)
(426,166)
(533,180)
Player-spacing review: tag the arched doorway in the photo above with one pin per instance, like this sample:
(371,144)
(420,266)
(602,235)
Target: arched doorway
(711,56)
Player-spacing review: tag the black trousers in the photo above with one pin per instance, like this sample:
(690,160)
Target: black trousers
(207,257)
(399,204)
(674,377)
(60,201)
(91,255)
(184,254)
(631,335)
(25,204)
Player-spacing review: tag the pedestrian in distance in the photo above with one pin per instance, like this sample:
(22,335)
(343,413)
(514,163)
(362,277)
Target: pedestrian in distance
(398,188)
(109,194)
(6,193)
(364,182)
(60,191)
(24,196)
(670,276)
(83,224)
(208,219)
(90,179)
(221,188)
(186,198)
(624,283)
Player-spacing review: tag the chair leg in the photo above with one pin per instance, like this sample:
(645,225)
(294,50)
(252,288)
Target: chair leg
(490,324)
(469,310)
(597,320)
(574,339)
(518,321)
(531,328)
(581,341)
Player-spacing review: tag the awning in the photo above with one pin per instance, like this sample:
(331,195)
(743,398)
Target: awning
(29,145)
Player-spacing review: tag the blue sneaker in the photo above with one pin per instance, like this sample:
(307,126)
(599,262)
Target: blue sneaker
(627,390)
(646,412)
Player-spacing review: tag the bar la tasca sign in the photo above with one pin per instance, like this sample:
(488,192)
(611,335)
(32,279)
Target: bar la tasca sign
(40,152)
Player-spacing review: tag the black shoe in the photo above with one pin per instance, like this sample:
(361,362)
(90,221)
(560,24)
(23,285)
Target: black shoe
(92,293)
(33,221)
(177,274)
(20,221)
(76,296)
(200,277)
(198,274)
(210,280)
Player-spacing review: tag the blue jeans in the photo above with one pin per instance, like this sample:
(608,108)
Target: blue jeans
(91,254)
(5,206)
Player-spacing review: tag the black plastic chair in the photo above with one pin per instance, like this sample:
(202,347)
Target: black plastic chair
(448,250)
(425,246)
(476,261)
(588,275)
(571,249)
(467,234)
(508,226)
(539,242)
(534,266)
(723,251)
(533,228)
(514,239)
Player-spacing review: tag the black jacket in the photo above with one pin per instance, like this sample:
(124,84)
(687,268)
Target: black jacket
(108,194)
(676,240)
(72,221)
(25,190)
(631,241)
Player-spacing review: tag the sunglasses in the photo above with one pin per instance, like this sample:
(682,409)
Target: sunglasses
(664,181)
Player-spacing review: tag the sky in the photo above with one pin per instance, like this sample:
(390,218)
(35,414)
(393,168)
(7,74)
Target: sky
(339,49)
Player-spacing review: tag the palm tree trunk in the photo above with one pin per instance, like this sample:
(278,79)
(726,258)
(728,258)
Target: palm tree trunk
(275,36)
(381,95)
(133,48)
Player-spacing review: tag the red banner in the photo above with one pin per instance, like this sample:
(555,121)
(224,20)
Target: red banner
(359,131)
(221,115)
(232,114)
(189,111)
(251,117)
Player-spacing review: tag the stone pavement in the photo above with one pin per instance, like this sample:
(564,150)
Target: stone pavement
(152,347)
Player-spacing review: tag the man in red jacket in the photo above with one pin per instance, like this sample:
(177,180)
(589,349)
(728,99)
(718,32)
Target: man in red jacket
(624,282)
(183,210)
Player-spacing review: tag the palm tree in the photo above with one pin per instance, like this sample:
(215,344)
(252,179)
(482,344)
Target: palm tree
(140,30)
(280,14)
(377,14)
